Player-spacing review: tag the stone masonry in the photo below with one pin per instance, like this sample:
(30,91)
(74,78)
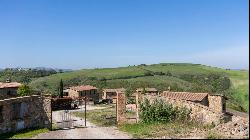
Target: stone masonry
(198,112)
(121,108)
(24,112)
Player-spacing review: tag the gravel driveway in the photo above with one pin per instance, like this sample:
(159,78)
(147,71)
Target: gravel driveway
(90,132)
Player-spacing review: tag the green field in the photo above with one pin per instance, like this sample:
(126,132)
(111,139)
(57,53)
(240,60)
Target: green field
(24,134)
(179,76)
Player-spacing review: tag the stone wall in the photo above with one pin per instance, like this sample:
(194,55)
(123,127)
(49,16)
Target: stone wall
(198,112)
(121,108)
(7,93)
(73,93)
(216,103)
(24,112)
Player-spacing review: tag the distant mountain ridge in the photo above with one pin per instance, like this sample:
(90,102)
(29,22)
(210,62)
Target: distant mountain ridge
(39,68)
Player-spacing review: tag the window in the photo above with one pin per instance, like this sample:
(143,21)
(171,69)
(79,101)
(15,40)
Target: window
(8,92)
(1,114)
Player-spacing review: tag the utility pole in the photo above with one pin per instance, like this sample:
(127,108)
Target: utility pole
(51,122)
(85,109)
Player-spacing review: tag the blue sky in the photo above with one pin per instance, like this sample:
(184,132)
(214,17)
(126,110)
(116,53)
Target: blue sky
(110,33)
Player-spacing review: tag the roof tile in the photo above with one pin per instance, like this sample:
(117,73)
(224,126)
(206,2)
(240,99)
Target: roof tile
(83,88)
(185,95)
(10,85)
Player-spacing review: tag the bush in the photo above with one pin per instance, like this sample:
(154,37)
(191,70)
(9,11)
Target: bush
(23,90)
(148,73)
(212,135)
(160,111)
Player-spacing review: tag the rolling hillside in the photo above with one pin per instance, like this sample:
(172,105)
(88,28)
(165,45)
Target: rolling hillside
(179,76)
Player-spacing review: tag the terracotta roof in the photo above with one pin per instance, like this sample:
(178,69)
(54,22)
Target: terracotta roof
(83,88)
(185,95)
(114,90)
(10,85)
(147,89)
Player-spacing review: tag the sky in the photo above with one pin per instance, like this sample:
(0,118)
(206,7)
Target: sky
(77,34)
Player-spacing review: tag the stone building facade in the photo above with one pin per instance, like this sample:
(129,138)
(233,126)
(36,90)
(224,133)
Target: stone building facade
(215,102)
(80,91)
(8,90)
(203,107)
(112,93)
(25,112)
(151,91)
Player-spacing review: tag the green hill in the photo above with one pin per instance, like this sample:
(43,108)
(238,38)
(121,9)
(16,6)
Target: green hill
(179,76)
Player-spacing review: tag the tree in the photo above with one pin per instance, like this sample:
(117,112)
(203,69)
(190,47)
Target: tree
(61,89)
(60,71)
(128,91)
(23,90)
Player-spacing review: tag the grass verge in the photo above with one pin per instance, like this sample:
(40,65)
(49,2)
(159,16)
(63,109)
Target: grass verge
(160,130)
(101,117)
(24,134)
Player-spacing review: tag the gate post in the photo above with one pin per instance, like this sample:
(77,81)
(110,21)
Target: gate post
(121,108)
(138,101)
(46,103)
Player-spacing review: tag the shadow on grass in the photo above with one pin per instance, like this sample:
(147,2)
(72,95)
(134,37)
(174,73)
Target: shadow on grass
(26,133)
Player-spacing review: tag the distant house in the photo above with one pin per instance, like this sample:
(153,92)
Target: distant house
(81,91)
(66,92)
(214,101)
(111,93)
(9,89)
(148,90)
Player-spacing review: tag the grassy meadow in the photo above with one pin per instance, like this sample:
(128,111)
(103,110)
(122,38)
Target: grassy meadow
(179,76)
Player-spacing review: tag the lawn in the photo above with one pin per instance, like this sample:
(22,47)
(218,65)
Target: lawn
(145,76)
(101,117)
(168,130)
(24,134)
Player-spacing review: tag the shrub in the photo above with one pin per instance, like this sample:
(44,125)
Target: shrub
(160,111)
(148,73)
(212,135)
(169,73)
(23,90)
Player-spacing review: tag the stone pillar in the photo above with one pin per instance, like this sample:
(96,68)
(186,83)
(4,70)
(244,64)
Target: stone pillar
(121,108)
(216,103)
(47,113)
(138,101)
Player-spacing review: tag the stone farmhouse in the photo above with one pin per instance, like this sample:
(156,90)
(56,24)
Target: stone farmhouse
(80,91)
(9,89)
(213,101)
(204,107)
(152,91)
(111,93)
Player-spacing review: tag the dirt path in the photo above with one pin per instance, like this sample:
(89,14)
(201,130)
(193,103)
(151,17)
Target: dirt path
(91,132)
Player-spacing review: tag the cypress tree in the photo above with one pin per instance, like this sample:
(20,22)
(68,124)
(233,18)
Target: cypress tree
(61,89)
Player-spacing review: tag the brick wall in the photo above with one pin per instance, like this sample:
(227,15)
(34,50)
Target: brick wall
(24,112)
